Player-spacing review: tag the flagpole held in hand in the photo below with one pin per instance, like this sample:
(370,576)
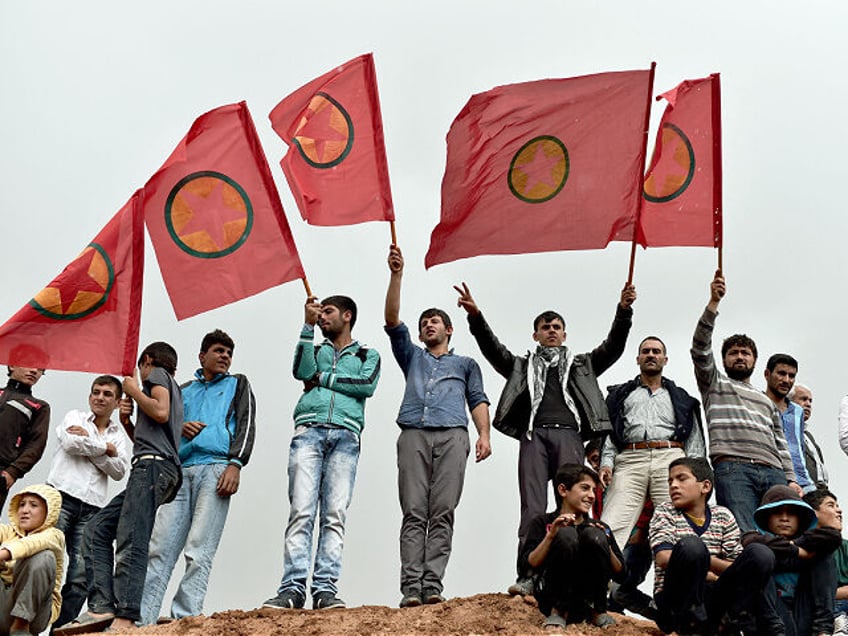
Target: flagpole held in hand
(394,233)
(306,287)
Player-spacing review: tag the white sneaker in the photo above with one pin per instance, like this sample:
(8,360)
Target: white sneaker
(840,624)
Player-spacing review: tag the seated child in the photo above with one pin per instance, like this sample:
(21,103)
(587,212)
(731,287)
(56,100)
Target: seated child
(799,597)
(572,556)
(830,516)
(32,553)
(703,579)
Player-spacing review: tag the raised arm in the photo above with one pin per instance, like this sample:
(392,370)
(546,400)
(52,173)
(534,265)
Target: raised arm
(702,341)
(610,350)
(392,309)
(305,365)
(498,355)
(157,405)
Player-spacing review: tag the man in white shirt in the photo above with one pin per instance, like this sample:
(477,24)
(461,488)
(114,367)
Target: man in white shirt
(92,448)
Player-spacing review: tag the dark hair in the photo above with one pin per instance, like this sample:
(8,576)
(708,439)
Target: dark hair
(162,355)
(103,380)
(343,304)
(738,340)
(593,444)
(699,467)
(657,338)
(433,311)
(781,358)
(547,316)
(814,498)
(216,337)
(570,474)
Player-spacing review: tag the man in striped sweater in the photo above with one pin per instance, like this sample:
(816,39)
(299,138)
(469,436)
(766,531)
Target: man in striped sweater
(747,445)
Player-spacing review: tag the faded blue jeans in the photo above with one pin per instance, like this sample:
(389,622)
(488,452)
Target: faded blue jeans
(191,524)
(116,582)
(322,471)
(73,517)
(740,486)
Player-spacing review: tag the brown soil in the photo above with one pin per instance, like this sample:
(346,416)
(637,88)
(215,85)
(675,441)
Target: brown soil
(482,614)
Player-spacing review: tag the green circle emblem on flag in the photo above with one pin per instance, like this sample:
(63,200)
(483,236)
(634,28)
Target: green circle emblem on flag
(81,289)
(324,135)
(208,214)
(675,169)
(539,170)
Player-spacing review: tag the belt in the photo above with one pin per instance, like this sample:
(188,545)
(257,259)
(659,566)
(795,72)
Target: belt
(740,460)
(138,458)
(660,443)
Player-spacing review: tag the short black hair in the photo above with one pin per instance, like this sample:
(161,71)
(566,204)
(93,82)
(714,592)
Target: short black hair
(547,316)
(657,338)
(102,380)
(570,474)
(594,444)
(781,358)
(435,311)
(162,355)
(343,304)
(738,340)
(216,337)
(699,467)
(814,498)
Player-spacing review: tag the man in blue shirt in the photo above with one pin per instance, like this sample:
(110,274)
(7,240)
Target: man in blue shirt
(433,444)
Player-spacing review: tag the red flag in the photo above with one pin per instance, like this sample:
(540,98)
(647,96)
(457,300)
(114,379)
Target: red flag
(543,166)
(215,217)
(87,318)
(683,185)
(336,162)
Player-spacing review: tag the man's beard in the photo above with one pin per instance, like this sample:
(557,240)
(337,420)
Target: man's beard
(741,375)
(329,333)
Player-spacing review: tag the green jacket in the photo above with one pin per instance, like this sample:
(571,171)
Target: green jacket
(344,380)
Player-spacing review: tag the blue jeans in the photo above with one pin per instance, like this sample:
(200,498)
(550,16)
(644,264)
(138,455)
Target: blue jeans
(193,522)
(73,517)
(322,471)
(740,486)
(116,582)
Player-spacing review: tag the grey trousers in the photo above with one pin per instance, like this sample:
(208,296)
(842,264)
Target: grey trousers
(30,596)
(431,473)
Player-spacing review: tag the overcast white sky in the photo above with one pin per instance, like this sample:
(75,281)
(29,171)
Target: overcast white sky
(95,95)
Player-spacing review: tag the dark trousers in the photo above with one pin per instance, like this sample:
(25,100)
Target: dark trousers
(810,611)
(127,520)
(539,459)
(575,573)
(73,517)
(688,603)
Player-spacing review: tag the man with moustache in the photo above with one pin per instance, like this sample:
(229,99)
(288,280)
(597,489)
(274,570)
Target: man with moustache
(747,445)
(338,375)
(780,373)
(813,457)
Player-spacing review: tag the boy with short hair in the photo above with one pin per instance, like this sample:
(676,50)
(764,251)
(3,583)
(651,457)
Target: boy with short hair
(702,575)
(567,541)
(829,515)
(116,581)
(92,448)
(799,597)
(32,552)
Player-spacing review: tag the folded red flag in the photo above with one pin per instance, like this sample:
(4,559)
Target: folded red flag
(336,162)
(543,166)
(683,185)
(87,318)
(215,217)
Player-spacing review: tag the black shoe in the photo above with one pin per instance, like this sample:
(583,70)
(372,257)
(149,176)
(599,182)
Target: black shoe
(327,600)
(287,599)
(431,596)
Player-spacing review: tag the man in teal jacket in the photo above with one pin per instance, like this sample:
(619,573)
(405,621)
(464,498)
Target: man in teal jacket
(338,375)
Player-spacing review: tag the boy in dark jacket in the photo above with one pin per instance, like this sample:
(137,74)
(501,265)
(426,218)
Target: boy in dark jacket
(572,556)
(799,598)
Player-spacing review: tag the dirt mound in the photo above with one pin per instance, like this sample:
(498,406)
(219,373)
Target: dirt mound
(482,614)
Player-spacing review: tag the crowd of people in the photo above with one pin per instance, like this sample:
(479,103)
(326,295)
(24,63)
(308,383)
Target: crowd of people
(632,473)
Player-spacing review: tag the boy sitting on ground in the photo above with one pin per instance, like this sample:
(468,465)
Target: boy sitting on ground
(565,542)
(799,597)
(32,553)
(702,576)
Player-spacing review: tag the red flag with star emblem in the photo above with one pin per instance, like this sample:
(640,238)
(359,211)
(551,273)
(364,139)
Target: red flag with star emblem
(87,318)
(542,166)
(215,217)
(336,163)
(683,185)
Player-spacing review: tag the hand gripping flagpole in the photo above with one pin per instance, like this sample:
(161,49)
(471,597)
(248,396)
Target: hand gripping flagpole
(644,165)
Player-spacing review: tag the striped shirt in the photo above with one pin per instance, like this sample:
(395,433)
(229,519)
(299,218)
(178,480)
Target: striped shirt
(669,525)
(741,421)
